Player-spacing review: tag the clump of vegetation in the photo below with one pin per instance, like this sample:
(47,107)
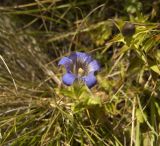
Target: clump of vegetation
(36,108)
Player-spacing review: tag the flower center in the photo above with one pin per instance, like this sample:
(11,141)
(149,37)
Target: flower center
(80,72)
(79,68)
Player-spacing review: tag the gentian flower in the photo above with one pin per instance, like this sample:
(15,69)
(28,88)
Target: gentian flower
(79,67)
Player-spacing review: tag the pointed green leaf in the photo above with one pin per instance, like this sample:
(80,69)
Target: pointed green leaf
(155,68)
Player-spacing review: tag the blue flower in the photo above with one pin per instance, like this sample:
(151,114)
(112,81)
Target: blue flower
(79,66)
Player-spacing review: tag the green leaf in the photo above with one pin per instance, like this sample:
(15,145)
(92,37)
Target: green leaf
(67,92)
(136,64)
(139,116)
(94,101)
(157,107)
(155,68)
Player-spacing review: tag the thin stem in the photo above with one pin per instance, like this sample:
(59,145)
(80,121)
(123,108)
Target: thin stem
(153,119)
(138,141)
(133,121)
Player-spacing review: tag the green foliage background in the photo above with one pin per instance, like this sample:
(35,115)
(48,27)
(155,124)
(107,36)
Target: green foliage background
(122,109)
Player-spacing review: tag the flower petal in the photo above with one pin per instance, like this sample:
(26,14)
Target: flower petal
(93,66)
(90,80)
(68,79)
(80,57)
(83,57)
(66,62)
(73,57)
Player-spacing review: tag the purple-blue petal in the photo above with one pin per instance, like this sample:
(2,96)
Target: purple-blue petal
(84,57)
(93,66)
(73,57)
(90,80)
(68,79)
(66,62)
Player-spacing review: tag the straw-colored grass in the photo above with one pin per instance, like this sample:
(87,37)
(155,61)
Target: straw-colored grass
(36,109)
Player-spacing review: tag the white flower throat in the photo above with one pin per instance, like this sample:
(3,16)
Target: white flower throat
(79,68)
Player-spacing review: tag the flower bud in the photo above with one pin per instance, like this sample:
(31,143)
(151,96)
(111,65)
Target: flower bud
(128,29)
